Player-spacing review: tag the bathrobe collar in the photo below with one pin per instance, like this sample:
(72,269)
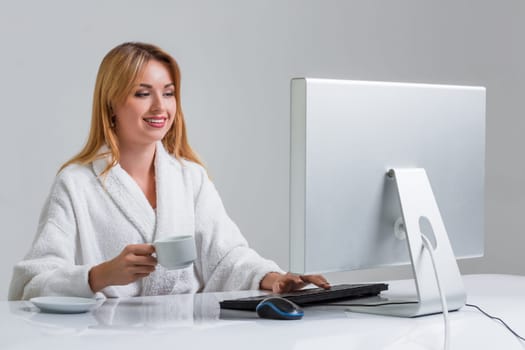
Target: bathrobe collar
(130,199)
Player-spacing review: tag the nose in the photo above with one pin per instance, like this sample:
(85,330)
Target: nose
(157,104)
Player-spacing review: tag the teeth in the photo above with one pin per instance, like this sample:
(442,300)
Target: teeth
(155,121)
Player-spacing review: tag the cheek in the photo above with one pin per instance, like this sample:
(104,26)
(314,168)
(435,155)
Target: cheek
(173,108)
(131,110)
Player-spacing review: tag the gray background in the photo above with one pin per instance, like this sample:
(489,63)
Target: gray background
(237,58)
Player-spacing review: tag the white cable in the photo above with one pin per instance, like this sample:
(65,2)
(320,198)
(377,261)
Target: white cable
(428,246)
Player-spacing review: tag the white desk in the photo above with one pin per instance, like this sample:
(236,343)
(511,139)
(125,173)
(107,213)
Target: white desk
(196,322)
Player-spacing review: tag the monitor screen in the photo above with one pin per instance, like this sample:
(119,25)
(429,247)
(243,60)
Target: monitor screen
(346,135)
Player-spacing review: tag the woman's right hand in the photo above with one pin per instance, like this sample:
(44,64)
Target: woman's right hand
(134,262)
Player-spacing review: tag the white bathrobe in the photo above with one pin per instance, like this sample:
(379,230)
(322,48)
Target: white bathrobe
(88,220)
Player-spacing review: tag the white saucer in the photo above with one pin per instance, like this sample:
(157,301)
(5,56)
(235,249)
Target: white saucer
(64,305)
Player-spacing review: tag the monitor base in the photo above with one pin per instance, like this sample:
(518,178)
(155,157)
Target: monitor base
(421,216)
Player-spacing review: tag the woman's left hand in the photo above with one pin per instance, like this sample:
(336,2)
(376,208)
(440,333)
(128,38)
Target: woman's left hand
(279,283)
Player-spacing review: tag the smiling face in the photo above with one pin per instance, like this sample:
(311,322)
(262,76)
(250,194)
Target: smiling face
(148,112)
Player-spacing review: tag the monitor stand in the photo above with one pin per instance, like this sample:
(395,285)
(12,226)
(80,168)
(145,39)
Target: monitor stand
(421,214)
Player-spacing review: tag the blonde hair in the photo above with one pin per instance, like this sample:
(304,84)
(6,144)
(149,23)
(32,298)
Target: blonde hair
(116,75)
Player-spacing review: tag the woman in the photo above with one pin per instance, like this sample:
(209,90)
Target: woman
(136,180)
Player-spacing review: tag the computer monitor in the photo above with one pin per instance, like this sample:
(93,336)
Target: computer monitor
(347,213)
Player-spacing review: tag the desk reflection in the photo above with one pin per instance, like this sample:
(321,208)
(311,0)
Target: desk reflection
(158,311)
(143,313)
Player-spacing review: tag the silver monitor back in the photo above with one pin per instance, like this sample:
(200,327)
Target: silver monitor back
(346,135)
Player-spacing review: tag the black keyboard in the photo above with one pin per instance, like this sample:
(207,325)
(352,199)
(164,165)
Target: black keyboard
(306,297)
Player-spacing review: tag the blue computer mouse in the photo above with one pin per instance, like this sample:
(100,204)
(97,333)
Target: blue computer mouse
(279,309)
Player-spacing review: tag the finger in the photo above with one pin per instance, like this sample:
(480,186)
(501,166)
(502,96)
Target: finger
(315,279)
(143,260)
(140,249)
(318,280)
(296,279)
(288,283)
(277,287)
(283,285)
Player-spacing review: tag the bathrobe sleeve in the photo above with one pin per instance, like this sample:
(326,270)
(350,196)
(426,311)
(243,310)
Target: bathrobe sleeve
(49,267)
(225,262)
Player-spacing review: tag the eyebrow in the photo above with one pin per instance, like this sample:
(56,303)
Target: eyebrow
(151,86)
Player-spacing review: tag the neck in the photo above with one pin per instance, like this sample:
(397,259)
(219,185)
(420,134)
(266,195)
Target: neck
(137,160)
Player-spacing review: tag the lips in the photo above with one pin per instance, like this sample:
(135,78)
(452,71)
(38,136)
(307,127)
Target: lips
(156,122)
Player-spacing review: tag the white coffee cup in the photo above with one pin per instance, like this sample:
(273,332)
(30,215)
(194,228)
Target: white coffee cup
(175,252)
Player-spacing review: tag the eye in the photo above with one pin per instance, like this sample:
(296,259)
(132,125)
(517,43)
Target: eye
(169,93)
(141,94)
